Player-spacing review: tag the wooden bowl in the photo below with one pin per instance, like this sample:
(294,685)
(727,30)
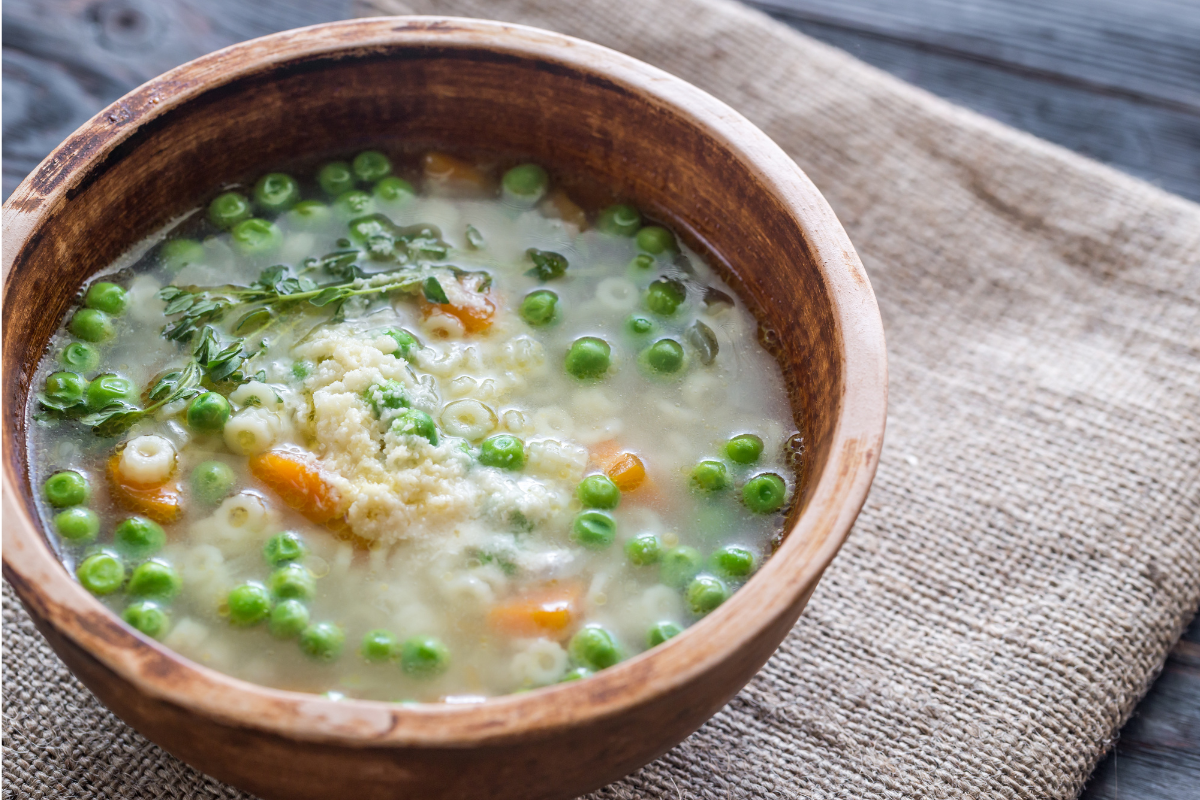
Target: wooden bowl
(461,84)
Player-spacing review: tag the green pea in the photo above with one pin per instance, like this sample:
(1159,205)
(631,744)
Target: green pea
(309,215)
(283,548)
(642,261)
(101,573)
(92,325)
(137,538)
(80,357)
(705,593)
(664,296)
(179,253)
(228,209)
(379,646)
(576,674)
(77,524)
(414,422)
(619,220)
(154,578)
(710,476)
(644,549)
(745,448)
(276,192)
(301,370)
(64,390)
(765,493)
(733,561)
(503,451)
(370,166)
(639,325)
(424,656)
(387,396)
(594,648)
(67,488)
(106,389)
(539,307)
(322,641)
(256,237)
(598,491)
(292,581)
(406,343)
(588,357)
(249,604)
(353,204)
(661,632)
(335,178)
(679,565)
(393,189)
(106,297)
(288,619)
(208,412)
(655,240)
(526,183)
(665,355)
(594,529)
(212,481)
(148,617)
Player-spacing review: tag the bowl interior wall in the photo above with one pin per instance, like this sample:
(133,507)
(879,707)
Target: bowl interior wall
(459,99)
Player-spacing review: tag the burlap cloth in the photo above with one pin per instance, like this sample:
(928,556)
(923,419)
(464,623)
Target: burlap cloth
(1031,548)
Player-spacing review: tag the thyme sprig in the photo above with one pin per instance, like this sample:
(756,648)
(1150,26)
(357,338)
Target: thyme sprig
(212,358)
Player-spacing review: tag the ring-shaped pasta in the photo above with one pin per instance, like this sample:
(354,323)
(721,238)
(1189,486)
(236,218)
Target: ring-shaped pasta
(147,461)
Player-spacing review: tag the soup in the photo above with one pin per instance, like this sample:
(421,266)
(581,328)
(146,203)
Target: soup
(346,435)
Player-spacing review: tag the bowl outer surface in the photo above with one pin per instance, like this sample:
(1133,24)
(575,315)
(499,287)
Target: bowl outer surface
(793,265)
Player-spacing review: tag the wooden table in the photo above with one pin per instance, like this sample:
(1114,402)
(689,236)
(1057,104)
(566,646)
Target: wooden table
(1114,80)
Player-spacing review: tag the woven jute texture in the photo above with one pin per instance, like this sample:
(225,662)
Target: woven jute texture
(1031,547)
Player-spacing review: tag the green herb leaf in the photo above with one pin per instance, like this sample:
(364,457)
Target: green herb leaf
(434,292)
(114,419)
(546,265)
(179,304)
(252,320)
(327,296)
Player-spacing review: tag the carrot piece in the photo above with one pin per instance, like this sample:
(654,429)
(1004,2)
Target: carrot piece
(603,453)
(455,174)
(162,503)
(473,308)
(299,483)
(547,612)
(627,472)
(558,205)
(473,319)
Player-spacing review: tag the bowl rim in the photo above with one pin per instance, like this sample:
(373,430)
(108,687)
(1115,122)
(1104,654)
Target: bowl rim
(785,580)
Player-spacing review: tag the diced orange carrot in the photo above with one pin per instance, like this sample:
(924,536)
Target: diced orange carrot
(162,503)
(454,174)
(603,453)
(475,314)
(558,205)
(626,471)
(551,612)
(299,483)
(475,318)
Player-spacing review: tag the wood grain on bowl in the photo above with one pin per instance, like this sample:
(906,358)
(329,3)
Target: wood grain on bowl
(468,86)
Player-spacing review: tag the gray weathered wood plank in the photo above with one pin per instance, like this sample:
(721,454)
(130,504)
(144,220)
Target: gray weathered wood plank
(1149,49)
(1157,755)
(1156,142)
